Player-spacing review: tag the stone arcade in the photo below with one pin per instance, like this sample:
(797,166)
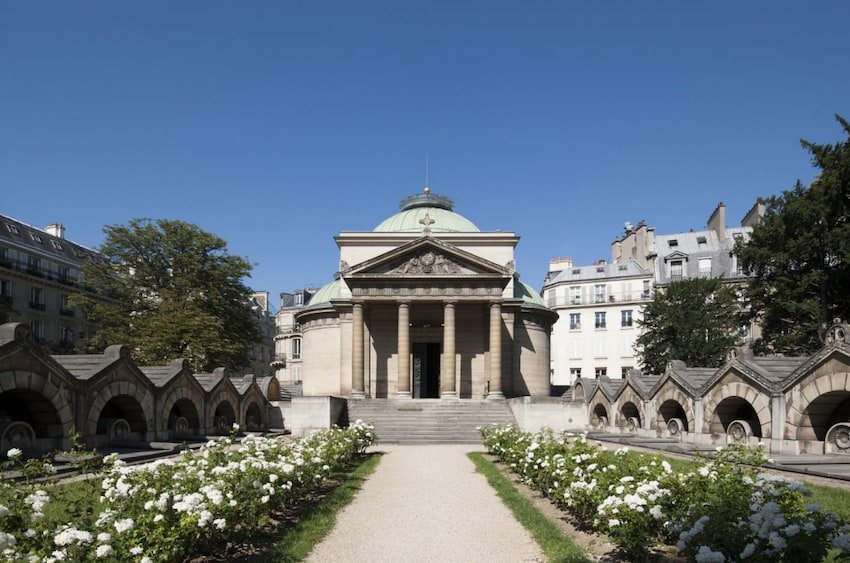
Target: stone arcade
(795,405)
(426,306)
(115,403)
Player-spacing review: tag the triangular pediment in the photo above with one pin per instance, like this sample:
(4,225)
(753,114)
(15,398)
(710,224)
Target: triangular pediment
(677,255)
(426,257)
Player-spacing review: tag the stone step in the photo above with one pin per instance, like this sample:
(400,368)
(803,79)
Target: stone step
(429,421)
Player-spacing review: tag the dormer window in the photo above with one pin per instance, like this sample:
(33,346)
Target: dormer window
(56,245)
(701,241)
(622,267)
(600,270)
(673,242)
(576,272)
(35,237)
(12,229)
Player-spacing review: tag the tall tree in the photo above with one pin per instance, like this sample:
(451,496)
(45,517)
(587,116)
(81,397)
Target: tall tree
(173,291)
(697,321)
(799,255)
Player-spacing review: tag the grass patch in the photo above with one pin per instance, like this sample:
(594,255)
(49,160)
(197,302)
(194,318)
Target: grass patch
(316,522)
(555,545)
(831,499)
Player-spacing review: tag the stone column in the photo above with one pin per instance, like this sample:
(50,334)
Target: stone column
(495,352)
(357,388)
(403,386)
(448,389)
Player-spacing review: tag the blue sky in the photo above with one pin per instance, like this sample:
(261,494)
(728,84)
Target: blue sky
(278,124)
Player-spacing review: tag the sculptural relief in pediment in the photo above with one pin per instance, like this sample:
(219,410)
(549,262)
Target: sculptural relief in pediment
(428,262)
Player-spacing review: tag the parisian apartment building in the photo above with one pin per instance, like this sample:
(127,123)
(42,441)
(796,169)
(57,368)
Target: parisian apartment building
(39,270)
(262,352)
(600,305)
(287,339)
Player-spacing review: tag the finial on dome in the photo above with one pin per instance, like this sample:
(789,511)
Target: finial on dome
(427,190)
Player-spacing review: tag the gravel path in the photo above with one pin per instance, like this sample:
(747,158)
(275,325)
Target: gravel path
(426,503)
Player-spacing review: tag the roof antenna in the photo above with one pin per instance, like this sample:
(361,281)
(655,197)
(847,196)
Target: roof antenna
(427,190)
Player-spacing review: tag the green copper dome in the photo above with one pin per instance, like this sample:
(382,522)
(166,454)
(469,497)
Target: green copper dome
(527,293)
(326,293)
(439,210)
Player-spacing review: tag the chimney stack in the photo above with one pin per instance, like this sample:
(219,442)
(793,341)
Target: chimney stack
(560,264)
(55,229)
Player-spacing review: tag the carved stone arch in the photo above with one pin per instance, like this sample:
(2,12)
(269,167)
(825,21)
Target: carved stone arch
(223,395)
(810,391)
(758,400)
(253,397)
(672,392)
(121,389)
(41,392)
(175,393)
(599,407)
(624,413)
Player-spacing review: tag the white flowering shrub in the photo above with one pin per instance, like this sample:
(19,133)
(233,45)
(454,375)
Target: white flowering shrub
(724,510)
(169,509)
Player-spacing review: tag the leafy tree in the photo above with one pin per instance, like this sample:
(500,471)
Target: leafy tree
(697,321)
(799,256)
(172,291)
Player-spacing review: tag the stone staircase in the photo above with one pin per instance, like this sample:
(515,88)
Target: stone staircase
(429,421)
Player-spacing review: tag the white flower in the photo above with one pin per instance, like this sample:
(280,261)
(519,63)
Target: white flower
(749,549)
(103,550)
(220,523)
(656,513)
(706,555)
(3,511)
(124,525)
(136,550)
(14,453)
(613,522)
(146,560)
(158,518)
(103,537)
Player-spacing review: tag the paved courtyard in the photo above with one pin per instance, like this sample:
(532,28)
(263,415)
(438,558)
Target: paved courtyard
(426,503)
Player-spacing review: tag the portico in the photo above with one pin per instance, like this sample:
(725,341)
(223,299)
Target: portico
(431,307)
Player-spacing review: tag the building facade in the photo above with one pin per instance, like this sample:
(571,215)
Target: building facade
(426,306)
(39,270)
(599,307)
(287,339)
(261,354)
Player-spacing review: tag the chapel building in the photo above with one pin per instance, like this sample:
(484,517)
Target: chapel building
(426,306)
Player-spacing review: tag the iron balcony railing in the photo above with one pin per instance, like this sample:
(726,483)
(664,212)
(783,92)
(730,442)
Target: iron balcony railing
(43,273)
(287,329)
(617,297)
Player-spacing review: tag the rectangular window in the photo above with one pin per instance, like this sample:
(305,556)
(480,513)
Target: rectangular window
(66,335)
(575,373)
(575,321)
(599,291)
(628,347)
(600,372)
(37,328)
(600,348)
(63,273)
(5,288)
(296,348)
(676,270)
(37,298)
(626,318)
(647,290)
(705,267)
(600,319)
(575,349)
(299,299)
(35,237)
(12,229)
(575,294)
(626,370)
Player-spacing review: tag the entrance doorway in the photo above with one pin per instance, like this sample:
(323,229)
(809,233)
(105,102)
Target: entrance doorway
(426,370)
